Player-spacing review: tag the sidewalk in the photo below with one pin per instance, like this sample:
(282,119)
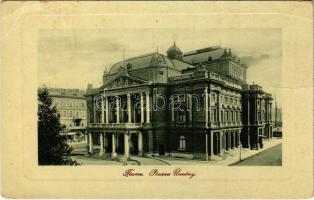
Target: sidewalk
(228,158)
(245,153)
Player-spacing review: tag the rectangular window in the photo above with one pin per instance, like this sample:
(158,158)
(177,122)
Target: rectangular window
(213,98)
(71,113)
(181,116)
(259,116)
(83,105)
(214,115)
(182,142)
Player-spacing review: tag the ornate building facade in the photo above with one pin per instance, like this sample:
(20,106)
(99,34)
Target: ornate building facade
(196,105)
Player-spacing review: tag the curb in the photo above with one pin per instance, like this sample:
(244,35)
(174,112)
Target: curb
(139,162)
(160,160)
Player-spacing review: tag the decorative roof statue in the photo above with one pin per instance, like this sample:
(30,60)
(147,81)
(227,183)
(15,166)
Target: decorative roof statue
(230,53)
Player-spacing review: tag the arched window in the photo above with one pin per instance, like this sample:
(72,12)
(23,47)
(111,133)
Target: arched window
(182,142)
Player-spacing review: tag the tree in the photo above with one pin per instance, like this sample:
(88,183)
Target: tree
(52,146)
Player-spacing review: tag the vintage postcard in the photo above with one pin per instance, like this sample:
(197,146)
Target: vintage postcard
(157,99)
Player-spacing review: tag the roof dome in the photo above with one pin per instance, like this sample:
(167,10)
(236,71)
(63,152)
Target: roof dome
(143,61)
(174,52)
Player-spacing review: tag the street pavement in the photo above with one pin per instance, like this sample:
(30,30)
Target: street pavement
(87,160)
(148,161)
(269,157)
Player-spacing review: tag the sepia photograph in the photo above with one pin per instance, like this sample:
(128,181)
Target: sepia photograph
(160,97)
(157,100)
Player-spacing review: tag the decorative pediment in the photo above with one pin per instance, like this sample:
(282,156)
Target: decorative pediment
(158,59)
(123,81)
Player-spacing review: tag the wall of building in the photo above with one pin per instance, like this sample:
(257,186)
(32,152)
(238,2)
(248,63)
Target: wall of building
(71,109)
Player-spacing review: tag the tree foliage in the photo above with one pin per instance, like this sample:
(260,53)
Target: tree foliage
(52,146)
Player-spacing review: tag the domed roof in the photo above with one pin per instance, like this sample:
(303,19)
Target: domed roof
(143,61)
(174,48)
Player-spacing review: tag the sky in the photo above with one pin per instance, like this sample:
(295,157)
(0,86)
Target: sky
(74,58)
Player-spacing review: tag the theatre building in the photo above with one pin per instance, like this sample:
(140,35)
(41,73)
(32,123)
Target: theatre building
(195,105)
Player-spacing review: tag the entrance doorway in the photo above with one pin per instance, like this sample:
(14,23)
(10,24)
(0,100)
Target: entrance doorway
(216,143)
(161,150)
(120,144)
(108,144)
(134,144)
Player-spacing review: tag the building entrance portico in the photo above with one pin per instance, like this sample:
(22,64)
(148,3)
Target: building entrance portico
(116,143)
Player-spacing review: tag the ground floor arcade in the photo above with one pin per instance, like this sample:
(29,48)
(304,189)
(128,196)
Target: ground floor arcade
(204,144)
(113,143)
(186,142)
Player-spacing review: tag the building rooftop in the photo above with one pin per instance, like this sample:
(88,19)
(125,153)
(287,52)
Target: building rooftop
(62,92)
(144,61)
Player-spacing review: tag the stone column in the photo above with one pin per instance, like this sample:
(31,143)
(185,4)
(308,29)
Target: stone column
(113,153)
(219,109)
(147,108)
(234,140)
(140,143)
(220,145)
(87,141)
(190,107)
(129,108)
(206,106)
(226,141)
(142,108)
(211,143)
(104,139)
(229,140)
(94,111)
(107,109)
(102,111)
(206,146)
(126,145)
(86,138)
(101,140)
(172,109)
(91,147)
(118,109)
(239,141)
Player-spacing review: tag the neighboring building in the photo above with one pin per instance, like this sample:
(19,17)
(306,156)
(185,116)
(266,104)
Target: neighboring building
(71,105)
(278,116)
(196,105)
